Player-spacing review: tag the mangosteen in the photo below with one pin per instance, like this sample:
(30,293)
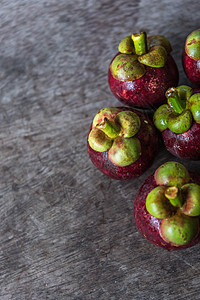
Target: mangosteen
(167,207)
(179,122)
(142,70)
(122,142)
(191,57)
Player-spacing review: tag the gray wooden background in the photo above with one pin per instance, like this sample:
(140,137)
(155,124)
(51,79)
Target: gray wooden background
(66,230)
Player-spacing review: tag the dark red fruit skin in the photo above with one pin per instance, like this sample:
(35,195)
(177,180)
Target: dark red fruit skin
(149,145)
(149,90)
(148,225)
(192,69)
(183,145)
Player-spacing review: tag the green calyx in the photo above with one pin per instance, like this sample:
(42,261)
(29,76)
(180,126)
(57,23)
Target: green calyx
(191,193)
(159,40)
(158,205)
(126,46)
(138,51)
(194,106)
(181,109)
(99,141)
(176,201)
(192,45)
(124,151)
(126,67)
(179,230)
(155,58)
(114,131)
(172,174)
(179,123)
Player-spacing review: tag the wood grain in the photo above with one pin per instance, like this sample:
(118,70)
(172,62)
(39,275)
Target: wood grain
(67,231)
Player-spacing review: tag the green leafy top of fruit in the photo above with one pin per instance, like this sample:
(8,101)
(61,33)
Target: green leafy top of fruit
(114,131)
(192,45)
(175,200)
(138,51)
(181,110)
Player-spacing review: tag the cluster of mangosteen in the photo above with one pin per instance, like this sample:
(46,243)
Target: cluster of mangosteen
(122,141)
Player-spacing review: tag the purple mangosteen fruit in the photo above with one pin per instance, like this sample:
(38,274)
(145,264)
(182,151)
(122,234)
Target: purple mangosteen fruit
(179,122)
(167,207)
(191,57)
(142,70)
(122,142)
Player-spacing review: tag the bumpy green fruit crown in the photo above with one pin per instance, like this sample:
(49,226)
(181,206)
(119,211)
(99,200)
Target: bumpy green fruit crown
(182,109)
(138,51)
(176,201)
(114,131)
(192,45)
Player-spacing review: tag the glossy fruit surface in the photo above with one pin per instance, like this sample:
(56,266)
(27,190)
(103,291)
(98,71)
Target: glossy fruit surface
(149,90)
(192,69)
(150,226)
(140,77)
(142,154)
(184,145)
(191,57)
(179,122)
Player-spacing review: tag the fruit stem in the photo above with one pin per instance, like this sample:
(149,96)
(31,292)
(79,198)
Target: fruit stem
(174,100)
(109,128)
(140,43)
(173,194)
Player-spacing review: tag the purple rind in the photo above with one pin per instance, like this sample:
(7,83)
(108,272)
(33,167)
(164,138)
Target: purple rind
(149,146)
(147,225)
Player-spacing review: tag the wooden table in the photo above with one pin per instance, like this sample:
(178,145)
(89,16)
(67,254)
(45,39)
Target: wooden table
(67,231)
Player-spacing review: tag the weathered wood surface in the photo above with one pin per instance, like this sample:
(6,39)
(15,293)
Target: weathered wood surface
(67,231)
